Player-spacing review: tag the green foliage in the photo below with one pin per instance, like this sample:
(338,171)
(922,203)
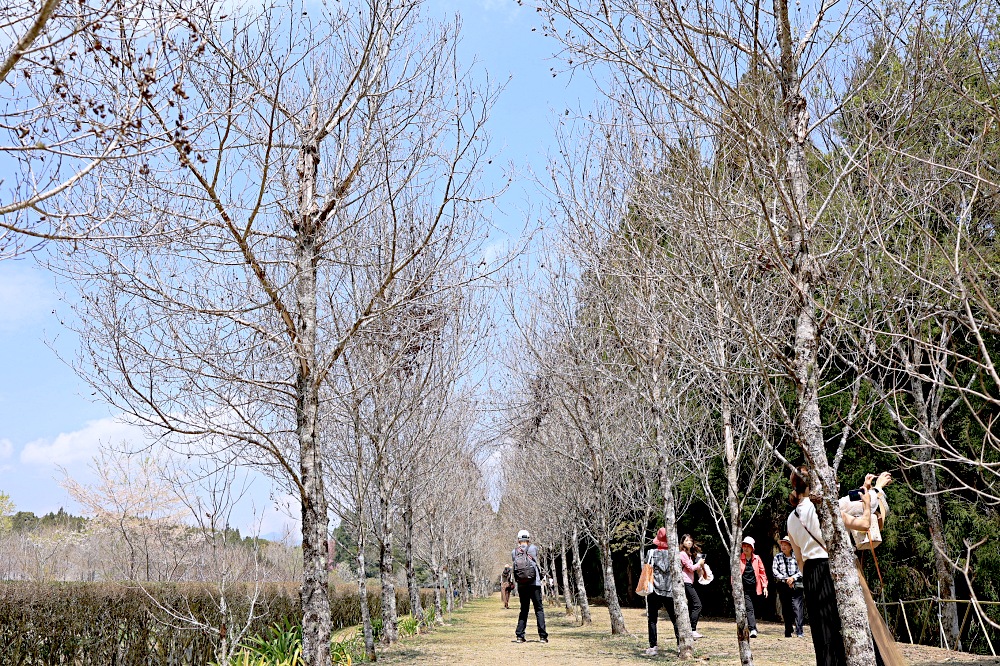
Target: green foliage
(279,645)
(26,521)
(6,509)
(377,629)
(408,626)
(348,651)
(282,641)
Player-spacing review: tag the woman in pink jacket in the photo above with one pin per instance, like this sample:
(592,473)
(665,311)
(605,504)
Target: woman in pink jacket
(754,579)
(691,567)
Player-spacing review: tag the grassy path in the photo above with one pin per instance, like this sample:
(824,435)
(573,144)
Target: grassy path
(482,634)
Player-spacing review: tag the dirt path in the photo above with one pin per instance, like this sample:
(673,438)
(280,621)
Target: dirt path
(482,634)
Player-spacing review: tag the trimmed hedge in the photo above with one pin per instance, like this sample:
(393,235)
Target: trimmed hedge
(109,624)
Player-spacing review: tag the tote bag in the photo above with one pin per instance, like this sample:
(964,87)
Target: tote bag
(645,586)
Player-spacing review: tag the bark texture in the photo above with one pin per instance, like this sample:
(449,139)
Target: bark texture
(611,590)
(804,277)
(315,522)
(567,600)
(581,589)
(366,618)
(685,650)
(411,579)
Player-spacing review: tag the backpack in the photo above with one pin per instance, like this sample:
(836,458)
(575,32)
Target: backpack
(524,566)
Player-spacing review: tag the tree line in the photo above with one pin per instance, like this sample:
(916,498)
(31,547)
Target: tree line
(772,242)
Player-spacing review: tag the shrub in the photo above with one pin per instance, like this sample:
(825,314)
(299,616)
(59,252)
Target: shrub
(107,623)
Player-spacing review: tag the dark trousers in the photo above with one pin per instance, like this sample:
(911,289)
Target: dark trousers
(694,605)
(654,602)
(748,597)
(529,594)
(791,608)
(824,618)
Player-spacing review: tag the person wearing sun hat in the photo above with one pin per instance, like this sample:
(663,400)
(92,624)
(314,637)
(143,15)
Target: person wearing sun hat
(788,579)
(663,589)
(754,580)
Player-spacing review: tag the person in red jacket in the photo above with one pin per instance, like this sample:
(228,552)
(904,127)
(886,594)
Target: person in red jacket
(754,579)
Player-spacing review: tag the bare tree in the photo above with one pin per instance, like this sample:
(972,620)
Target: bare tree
(59,128)
(733,83)
(282,155)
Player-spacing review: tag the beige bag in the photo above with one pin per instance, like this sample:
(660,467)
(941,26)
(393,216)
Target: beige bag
(873,537)
(645,586)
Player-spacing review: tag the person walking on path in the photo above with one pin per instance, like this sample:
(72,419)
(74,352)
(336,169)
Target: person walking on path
(689,567)
(788,579)
(506,585)
(528,575)
(663,590)
(754,581)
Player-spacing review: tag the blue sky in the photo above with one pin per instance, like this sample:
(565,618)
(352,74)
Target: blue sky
(48,417)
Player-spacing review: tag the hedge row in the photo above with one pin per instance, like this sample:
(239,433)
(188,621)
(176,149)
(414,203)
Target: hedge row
(108,624)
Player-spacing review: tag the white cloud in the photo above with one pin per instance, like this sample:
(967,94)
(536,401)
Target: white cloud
(6,448)
(24,297)
(81,445)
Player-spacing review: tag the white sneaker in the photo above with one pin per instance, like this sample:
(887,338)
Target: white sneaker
(695,634)
(650,652)
(753,633)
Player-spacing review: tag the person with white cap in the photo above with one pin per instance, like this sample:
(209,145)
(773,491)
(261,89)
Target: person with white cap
(754,581)
(528,575)
(789,581)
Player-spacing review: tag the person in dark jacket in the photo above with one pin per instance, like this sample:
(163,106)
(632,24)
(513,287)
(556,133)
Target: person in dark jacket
(754,581)
(663,590)
(529,592)
(506,585)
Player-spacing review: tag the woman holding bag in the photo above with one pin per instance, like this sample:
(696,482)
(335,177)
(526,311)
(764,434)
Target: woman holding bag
(691,567)
(662,594)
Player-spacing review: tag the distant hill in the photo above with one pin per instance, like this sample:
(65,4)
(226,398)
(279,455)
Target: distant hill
(278,536)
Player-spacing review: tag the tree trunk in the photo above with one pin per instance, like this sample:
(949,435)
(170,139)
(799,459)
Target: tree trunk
(449,581)
(463,582)
(567,602)
(436,571)
(366,618)
(804,272)
(731,465)
(685,649)
(553,580)
(929,421)
(739,602)
(411,578)
(316,625)
(935,525)
(390,633)
(390,619)
(581,589)
(610,589)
